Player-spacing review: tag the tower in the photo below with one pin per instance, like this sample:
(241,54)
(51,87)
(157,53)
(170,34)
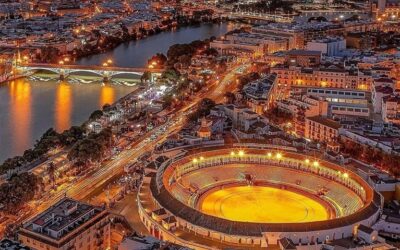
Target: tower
(381,5)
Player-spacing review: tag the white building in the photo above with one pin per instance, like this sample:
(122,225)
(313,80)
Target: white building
(330,46)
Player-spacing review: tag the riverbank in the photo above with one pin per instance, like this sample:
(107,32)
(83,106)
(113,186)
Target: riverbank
(114,42)
(12,78)
(28,106)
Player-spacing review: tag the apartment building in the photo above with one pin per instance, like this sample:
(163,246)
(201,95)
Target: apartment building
(330,46)
(391,109)
(293,34)
(303,58)
(378,93)
(68,224)
(302,107)
(321,129)
(260,94)
(343,102)
(330,77)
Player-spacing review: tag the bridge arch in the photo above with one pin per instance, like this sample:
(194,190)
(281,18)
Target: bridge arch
(52,70)
(69,73)
(138,74)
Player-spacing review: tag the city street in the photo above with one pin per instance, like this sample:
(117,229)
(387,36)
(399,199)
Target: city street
(97,181)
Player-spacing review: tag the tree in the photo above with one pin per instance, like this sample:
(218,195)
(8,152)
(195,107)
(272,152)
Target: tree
(106,107)
(97,114)
(230,97)
(51,169)
(145,77)
(171,75)
(158,60)
(245,79)
(18,190)
(91,149)
(203,109)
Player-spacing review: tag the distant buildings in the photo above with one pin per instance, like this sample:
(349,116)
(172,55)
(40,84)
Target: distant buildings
(68,224)
(327,46)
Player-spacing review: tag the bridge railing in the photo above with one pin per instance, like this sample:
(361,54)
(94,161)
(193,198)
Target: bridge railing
(91,67)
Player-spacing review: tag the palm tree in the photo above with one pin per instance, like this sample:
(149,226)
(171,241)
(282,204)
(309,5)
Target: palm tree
(51,169)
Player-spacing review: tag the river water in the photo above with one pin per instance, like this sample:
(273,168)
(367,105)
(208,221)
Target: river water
(28,108)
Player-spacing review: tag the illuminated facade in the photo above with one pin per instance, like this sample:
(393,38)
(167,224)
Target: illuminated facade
(68,224)
(173,203)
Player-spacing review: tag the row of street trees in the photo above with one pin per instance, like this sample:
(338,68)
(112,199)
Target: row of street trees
(50,139)
(372,155)
(91,149)
(17,191)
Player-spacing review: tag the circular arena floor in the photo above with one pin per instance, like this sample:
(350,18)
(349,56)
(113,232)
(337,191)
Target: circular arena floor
(261,204)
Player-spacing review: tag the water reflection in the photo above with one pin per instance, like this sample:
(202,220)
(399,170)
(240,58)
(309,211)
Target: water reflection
(20,115)
(29,108)
(63,106)
(107,95)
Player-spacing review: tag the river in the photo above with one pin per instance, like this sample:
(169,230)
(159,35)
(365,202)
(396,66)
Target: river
(28,108)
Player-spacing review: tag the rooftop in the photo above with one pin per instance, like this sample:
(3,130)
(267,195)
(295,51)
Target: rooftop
(7,244)
(62,218)
(324,121)
(304,53)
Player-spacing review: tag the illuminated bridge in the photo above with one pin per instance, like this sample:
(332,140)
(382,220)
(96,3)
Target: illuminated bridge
(107,73)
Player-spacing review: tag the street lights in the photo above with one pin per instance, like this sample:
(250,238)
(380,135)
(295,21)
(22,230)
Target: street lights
(107,63)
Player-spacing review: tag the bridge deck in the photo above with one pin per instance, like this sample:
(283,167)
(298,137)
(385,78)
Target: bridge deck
(85,67)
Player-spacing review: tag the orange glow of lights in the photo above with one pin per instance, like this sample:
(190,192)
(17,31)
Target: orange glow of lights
(107,95)
(63,107)
(21,112)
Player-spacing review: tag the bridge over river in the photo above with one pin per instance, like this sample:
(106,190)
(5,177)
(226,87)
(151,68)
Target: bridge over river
(107,73)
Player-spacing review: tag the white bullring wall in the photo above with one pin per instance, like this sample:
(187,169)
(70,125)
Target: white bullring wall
(270,237)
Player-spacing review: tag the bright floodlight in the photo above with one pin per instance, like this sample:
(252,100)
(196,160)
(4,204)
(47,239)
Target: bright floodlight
(232,153)
(278,155)
(345,175)
(241,153)
(307,161)
(316,164)
(194,160)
